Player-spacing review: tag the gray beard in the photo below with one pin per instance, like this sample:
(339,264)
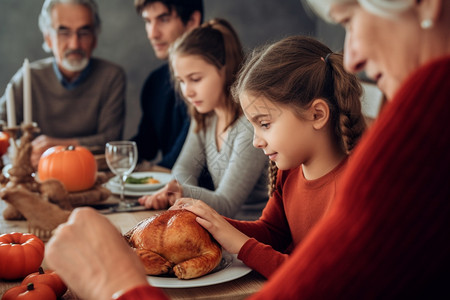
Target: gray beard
(74,65)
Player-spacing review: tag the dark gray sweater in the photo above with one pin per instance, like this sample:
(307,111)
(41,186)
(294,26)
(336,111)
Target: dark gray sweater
(93,112)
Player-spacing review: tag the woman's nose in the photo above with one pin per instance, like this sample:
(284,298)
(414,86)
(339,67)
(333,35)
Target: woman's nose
(354,57)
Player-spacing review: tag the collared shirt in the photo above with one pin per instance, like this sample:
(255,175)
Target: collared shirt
(71,85)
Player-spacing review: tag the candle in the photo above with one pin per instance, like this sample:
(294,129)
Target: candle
(26,92)
(10,106)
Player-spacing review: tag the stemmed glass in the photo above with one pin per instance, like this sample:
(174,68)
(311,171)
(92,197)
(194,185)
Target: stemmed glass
(121,157)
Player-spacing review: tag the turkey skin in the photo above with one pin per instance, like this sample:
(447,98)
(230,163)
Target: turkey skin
(172,242)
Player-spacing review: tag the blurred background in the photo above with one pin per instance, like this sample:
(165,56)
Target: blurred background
(123,39)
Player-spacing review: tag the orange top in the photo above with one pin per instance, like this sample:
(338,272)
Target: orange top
(295,207)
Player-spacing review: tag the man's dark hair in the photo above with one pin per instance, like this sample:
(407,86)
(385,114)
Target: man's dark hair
(184,8)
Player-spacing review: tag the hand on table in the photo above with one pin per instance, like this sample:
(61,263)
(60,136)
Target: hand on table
(92,257)
(164,197)
(43,142)
(227,235)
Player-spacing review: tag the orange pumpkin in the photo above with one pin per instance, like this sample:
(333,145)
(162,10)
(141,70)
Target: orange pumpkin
(4,142)
(75,167)
(20,254)
(49,278)
(30,292)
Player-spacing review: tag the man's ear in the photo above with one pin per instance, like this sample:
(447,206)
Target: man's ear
(320,112)
(48,40)
(194,20)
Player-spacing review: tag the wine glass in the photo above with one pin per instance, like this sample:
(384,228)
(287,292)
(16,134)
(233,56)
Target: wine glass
(121,157)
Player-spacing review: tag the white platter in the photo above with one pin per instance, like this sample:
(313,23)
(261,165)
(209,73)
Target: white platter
(116,191)
(163,178)
(229,269)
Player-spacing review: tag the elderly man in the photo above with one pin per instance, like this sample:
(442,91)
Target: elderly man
(76,99)
(165,122)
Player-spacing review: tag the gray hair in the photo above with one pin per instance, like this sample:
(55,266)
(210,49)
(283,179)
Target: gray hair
(382,8)
(45,18)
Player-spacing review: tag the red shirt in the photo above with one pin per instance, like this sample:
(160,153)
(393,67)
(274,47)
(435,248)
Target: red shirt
(295,207)
(387,235)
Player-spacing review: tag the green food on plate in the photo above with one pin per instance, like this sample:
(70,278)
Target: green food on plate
(141,180)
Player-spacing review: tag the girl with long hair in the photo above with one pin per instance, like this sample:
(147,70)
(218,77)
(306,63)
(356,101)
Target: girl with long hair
(204,64)
(306,113)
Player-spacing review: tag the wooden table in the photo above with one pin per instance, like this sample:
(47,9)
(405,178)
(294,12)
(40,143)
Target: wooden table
(236,289)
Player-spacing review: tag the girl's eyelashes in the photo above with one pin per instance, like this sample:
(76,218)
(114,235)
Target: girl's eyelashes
(265,125)
(192,79)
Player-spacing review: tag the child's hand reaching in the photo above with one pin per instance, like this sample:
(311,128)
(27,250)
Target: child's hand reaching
(229,237)
(164,197)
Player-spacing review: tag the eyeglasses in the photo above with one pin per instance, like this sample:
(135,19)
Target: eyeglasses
(64,34)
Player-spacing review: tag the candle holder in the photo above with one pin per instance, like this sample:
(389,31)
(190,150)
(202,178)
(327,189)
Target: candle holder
(21,171)
(26,197)
(45,204)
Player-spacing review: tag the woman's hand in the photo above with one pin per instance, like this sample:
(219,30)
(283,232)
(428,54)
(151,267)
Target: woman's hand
(229,237)
(92,257)
(164,197)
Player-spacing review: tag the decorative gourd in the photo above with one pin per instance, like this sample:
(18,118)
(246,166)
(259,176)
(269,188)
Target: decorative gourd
(30,292)
(4,142)
(75,167)
(49,278)
(20,255)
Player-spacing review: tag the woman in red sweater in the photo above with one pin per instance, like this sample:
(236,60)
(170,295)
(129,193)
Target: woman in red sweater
(295,83)
(387,234)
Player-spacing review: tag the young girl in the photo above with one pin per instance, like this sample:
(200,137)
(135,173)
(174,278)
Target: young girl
(204,64)
(306,113)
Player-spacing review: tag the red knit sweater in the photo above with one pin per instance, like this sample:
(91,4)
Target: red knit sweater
(295,207)
(388,233)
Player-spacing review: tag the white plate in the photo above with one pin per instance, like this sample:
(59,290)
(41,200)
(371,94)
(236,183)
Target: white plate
(229,269)
(163,178)
(116,191)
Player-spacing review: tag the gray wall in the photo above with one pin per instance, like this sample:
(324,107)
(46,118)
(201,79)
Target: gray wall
(123,39)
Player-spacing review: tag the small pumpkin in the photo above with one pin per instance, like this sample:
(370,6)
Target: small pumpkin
(47,277)
(74,166)
(31,291)
(4,142)
(20,254)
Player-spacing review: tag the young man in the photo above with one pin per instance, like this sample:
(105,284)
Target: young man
(76,99)
(165,122)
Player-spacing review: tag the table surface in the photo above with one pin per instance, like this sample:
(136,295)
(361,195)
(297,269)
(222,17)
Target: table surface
(236,289)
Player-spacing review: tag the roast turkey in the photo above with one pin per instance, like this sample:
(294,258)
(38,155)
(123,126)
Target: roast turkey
(172,242)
